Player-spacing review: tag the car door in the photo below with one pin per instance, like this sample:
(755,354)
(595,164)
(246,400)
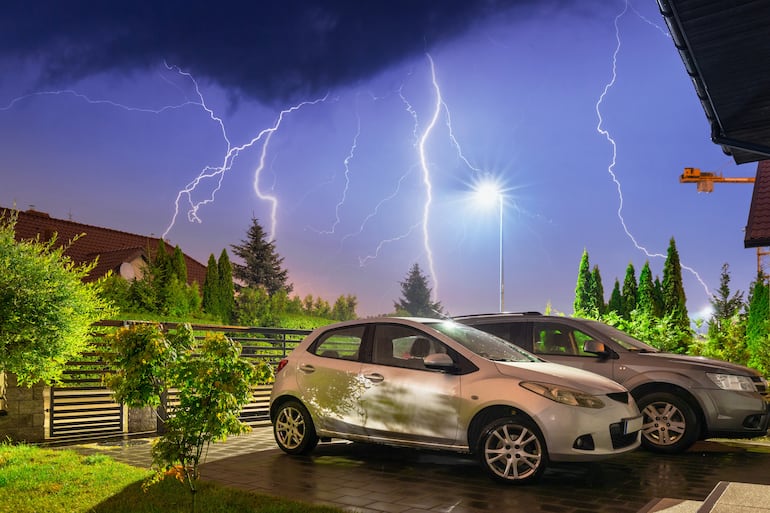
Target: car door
(402,399)
(563,343)
(329,378)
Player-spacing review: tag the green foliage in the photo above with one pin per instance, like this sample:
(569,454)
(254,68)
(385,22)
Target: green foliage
(116,290)
(615,304)
(45,308)
(646,293)
(345,308)
(211,299)
(726,335)
(758,325)
(213,381)
(262,267)
(662,333)
(252,307)
(596,290)
(416,296)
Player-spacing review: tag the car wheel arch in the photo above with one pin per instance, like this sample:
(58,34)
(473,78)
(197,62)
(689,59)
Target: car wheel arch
(276,403)
(492,413)
(686,395)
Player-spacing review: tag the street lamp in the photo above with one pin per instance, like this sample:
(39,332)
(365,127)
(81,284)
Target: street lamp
(487,193)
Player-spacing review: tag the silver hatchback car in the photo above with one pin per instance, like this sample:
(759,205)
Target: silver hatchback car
(437,384)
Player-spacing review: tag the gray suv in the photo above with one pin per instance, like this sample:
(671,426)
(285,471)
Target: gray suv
(682,398)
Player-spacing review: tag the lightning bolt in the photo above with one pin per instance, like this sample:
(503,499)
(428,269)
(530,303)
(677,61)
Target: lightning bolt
(87,99)
(613,163)
(362,261)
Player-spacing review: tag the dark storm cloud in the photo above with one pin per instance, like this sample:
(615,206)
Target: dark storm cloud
(264,49)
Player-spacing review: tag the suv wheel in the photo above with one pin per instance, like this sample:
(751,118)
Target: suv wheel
(512,450)
(670,424)
(293,429)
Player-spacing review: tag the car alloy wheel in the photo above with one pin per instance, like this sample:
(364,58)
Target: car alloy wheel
(293,429)
(513,450)
(670,424)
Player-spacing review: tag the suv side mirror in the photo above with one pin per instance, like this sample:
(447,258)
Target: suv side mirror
(593,346)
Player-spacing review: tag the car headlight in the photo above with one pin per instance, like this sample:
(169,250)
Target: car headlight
(564,395)
(732,382)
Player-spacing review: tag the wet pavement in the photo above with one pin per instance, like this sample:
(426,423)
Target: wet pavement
(369,478)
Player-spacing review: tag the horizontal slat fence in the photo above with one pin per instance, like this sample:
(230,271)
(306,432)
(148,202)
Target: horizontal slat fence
(83,407)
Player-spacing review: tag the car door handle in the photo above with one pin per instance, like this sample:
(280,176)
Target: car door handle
(307,369)
(375,377)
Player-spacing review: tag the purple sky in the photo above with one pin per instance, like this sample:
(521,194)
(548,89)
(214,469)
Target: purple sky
(371,177)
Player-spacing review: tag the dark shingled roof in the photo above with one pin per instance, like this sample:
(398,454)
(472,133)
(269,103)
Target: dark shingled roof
(758,227)
(112,247)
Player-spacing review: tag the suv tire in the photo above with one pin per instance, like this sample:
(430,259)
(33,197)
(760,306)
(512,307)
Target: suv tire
(670,424)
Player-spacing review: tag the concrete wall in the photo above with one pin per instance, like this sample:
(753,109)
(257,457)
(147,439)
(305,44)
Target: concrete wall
(25,419)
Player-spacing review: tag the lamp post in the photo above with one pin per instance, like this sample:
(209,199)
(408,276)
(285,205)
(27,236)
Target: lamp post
(487,192)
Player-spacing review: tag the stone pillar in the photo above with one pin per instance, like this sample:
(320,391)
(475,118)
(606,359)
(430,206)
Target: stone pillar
(25,408)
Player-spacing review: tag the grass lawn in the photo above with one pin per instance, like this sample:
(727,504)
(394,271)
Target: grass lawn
(33,479)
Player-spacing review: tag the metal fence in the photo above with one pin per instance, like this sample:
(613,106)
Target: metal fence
(82,406)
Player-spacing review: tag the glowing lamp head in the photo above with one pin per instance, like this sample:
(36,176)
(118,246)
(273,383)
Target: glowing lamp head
(488,193)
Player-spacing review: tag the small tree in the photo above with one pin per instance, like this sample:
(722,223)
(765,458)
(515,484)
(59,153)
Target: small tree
(416,296)
(615,304)
(646,292)
(583,300)
(211,289)
(629,292)
(262,266)
(46,310)
(226,287)
(674,299)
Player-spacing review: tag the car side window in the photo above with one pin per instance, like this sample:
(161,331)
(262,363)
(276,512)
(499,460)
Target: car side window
(557,339)
(554,339)
(402,346)
(343,343)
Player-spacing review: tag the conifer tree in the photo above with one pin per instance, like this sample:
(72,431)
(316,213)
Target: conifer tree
(630,292)
(615,304)
(226,287)
(178,265)
(211,287)
(416,296)
(674,299)
(262,266)
(583,299)
(597,294)
(646,304)
(726,336)
(658,297)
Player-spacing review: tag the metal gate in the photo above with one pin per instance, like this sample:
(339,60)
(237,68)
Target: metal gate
(84,412)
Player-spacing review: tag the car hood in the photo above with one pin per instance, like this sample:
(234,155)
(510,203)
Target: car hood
(560,374)
(697,362)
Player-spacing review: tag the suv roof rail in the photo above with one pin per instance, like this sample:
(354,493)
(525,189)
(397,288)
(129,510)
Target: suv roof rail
(498,313)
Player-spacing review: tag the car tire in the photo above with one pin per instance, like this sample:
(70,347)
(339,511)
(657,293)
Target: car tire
(512,450)
(293,429)
(670,424)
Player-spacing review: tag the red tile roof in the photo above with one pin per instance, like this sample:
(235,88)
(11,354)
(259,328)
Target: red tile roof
(758,225)
(112,247)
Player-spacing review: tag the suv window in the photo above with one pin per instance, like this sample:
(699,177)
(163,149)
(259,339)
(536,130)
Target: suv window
(559,339)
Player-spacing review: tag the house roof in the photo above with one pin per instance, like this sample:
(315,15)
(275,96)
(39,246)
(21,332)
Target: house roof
(758,226)
(725,49)
(726,52)
(112,247)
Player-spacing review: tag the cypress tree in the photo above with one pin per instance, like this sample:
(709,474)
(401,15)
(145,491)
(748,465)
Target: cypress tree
(211,287)
(615,304)
(582,304)
(674,300)
(226,287)
(630,293)
(646,304)
(597,294)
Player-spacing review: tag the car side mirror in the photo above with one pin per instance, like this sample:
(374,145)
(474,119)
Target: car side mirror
(439,361)
(593,346)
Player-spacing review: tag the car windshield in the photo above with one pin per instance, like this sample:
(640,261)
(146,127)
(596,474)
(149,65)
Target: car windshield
(482,343)
(623,339)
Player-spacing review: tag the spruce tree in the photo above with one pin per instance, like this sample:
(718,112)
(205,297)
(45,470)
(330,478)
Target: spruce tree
(630,292)
(416,296)
(726,330)
(262,266)
(211,287)
(583,299)
(674,300)
(226,287)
